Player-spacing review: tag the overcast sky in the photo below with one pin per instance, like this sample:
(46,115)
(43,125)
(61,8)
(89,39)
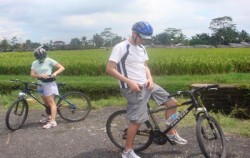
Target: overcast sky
(45,20)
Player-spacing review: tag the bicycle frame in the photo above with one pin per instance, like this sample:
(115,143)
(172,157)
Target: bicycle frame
(26,91)
(192,104)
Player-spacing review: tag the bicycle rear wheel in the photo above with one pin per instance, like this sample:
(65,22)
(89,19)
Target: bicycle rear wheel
(210,137)
(16,114)
(74,106)
(117,126)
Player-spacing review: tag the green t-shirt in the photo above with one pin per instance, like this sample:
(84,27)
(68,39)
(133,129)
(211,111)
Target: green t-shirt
(45,67)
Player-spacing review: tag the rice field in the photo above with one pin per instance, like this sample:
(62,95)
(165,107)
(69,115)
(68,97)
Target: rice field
(162,61)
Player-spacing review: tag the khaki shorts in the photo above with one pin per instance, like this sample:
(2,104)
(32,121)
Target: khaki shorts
(137,111)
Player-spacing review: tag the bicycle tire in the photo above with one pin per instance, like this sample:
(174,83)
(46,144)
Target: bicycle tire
(210,137)
(16,114)
(116,127)
(75,107)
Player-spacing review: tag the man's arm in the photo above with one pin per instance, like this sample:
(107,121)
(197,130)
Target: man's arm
(150,82)
(111,70)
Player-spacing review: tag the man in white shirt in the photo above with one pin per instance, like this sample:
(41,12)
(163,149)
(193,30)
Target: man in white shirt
(128,64)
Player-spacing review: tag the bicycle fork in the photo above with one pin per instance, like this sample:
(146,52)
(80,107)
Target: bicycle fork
(203,110)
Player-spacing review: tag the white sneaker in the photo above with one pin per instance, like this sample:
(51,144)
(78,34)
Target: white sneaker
(177,138)
(129,154)
(50,125)
(44,120)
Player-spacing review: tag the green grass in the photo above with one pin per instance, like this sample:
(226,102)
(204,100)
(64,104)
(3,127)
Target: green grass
(99,87)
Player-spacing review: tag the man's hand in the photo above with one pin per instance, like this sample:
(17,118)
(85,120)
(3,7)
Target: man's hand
(135,87)
(150,84)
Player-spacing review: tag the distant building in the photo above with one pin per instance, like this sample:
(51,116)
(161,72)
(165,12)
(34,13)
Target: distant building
(59,43)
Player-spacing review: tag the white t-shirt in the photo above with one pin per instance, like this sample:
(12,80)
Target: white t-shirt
(130,61)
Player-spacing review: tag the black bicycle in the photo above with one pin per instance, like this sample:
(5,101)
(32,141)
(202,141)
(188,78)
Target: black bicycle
(71,106)
(209,133)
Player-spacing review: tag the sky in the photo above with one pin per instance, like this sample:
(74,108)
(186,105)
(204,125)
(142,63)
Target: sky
(62,20)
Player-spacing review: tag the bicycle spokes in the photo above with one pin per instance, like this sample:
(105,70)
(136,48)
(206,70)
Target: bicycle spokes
(18,111)
(211,133)
(72,106)
(210,137)
(124,134)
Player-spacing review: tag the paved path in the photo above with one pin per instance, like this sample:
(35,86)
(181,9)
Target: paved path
(88,139)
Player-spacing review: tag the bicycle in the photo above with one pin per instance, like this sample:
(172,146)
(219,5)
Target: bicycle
(209,133)
(71,106)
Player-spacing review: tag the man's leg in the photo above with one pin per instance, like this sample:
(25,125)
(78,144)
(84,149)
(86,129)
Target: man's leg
(169,112)
(172,134)
(132,129)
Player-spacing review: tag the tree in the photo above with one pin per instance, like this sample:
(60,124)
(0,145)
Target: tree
(4,45)
(116,40)
(224,30)
(169,37)
(243,36)
(203,38)
(75,43)
(227,35)
(221,22)
(161,38)
(174,35)
(98,40)
(84,43)
(107,35)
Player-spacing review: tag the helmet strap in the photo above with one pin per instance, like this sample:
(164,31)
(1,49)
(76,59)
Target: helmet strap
(135,38)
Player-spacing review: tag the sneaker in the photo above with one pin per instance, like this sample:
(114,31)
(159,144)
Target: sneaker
(177,138)
(44,120)
(129,154)
(50,125)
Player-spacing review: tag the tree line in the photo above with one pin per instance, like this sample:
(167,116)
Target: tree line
(223,29)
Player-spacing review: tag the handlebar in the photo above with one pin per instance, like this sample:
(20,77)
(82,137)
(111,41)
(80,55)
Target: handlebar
(32,83)
(17,80)
(195,90)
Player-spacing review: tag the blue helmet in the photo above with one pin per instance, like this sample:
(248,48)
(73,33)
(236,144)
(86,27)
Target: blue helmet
(144,29)
(40,53)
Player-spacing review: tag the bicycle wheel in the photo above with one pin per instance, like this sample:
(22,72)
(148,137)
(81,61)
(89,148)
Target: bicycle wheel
(116,127)
(210,137)
(73,106)
(16,114)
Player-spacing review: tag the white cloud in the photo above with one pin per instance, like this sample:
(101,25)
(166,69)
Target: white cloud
(42,21)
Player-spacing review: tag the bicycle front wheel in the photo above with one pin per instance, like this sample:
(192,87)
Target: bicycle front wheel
(73,106)
(117,126)
(16,114)
(210,137)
